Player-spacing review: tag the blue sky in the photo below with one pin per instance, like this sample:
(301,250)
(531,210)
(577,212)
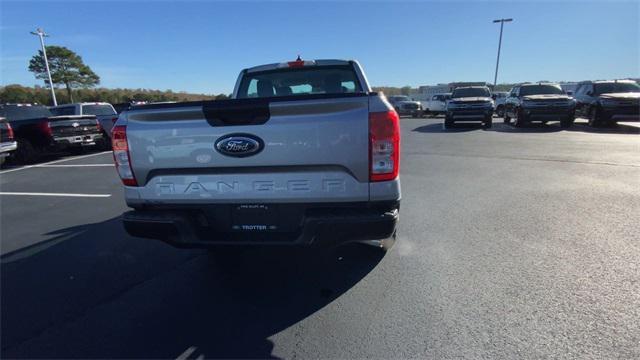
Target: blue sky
(201,46)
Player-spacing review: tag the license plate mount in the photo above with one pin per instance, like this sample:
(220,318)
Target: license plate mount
(255,218)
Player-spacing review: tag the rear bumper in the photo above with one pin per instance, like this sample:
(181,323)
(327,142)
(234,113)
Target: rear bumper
(312,224)
(7,147)
(76,140)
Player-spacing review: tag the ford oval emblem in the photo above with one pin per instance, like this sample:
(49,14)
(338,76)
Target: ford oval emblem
(239,145)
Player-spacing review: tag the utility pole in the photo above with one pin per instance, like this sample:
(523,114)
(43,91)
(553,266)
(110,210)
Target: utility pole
(40,33)
(501,21)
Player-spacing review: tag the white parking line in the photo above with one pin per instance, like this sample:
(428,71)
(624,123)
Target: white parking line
(56,194)
(53,162)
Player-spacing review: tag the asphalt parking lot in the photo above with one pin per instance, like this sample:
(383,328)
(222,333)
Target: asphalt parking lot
(513,243)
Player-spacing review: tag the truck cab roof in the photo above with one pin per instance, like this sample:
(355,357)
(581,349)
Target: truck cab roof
(297,63)
(81,103)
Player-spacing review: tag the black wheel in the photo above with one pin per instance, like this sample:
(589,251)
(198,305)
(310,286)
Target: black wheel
(448,123)
(26,152)
(506,119)
(520,120)
(567,122)
(487,123)
(104,144)
(594,118)
(500,111)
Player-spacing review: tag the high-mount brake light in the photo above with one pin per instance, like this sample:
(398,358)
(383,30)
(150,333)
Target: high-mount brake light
(384,146)
(298,63)
(121,155)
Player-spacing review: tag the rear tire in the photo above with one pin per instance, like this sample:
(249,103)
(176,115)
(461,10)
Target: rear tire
(506,119)
(500,111)
(594,118)
(488,122)
(448,123)
(567,122)
(520,120)
(26,152)
(104,144)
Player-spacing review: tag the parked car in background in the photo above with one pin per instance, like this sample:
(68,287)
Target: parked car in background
(499,98)
(606,102)
(405,106)
(104,112)
(304,153)
(8,144)
(470,103)
(437,104)
(37,132)
(541,102)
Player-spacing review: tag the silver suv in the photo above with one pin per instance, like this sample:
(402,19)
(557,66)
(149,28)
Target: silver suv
(405,106)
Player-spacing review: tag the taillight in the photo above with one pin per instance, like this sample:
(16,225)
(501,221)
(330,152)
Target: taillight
(121,155)
(10,132)
(45,127)
(384,145)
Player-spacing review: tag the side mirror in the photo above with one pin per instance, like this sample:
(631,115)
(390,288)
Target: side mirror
(589,93)
(569,93)
(493,96)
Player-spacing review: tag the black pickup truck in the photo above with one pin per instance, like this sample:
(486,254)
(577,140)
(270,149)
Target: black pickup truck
(38,132)
(8,143)
(541,102)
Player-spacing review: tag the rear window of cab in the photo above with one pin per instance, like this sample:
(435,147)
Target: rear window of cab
(101,109)
(301,81)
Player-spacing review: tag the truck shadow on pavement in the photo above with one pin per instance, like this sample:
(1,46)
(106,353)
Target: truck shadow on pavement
(577,127)
(96,292)
(611,129)
(437,128)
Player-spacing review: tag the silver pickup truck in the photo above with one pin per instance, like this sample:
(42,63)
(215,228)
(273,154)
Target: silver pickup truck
(304,153)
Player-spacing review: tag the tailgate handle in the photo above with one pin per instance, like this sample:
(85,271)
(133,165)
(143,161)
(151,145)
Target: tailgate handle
(236,112)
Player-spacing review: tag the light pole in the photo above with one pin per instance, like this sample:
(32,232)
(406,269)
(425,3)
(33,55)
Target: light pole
(501,21)
(40,33)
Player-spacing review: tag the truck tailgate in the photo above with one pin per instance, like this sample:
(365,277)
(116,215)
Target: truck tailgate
(314,150)
(73,125)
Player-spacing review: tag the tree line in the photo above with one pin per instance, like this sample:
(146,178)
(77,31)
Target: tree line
(42,95)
